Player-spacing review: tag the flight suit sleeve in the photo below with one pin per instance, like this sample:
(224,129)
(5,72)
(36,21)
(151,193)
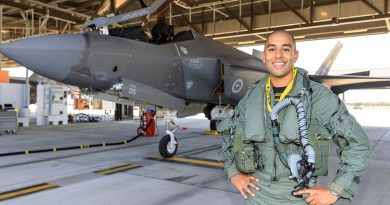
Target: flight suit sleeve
(225,127)
(354,147)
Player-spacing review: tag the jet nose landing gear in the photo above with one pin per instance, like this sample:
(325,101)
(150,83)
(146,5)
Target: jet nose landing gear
(168,144)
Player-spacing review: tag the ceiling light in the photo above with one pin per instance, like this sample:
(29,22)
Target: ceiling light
(246,42)
(355,31)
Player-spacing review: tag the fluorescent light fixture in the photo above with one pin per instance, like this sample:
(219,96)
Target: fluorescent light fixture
(246,42)
(355,31)
(299,37)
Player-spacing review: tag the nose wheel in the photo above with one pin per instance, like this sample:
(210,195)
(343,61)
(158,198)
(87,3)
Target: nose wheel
(168,143)
(168,146)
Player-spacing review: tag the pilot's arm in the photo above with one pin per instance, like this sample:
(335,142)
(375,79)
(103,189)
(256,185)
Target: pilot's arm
(354,147)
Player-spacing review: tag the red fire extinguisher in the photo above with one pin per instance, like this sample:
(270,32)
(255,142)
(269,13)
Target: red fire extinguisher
(151,129)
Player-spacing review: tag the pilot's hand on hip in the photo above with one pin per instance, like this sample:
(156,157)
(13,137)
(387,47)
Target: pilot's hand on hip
(242,182)
(318,196)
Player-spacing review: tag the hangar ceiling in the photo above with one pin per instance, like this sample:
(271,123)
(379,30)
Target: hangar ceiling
(233,22)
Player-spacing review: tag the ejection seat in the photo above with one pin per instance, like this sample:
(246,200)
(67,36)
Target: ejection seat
(162,33)
(134,33)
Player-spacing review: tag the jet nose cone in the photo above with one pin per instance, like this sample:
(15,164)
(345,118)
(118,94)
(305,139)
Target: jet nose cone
(52,56)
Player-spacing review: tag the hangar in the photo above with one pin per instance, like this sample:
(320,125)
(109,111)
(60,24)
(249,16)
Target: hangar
(32,161)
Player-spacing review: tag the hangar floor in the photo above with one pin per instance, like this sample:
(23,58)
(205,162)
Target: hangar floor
(133,173)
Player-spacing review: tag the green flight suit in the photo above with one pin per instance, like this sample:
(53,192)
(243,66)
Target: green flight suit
(327,119)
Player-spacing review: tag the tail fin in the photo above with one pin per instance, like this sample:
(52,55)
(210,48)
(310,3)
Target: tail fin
(329,60)
(257,54)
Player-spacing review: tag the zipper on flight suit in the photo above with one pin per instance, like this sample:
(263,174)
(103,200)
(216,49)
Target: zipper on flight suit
(273,178)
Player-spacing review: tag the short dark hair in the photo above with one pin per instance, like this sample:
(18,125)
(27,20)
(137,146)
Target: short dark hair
(284,32)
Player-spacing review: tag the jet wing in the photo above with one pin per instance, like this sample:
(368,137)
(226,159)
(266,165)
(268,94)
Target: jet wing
(362,73)
(341,83)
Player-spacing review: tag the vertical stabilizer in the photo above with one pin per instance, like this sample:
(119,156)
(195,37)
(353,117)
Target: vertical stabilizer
(329,60)
(257,54)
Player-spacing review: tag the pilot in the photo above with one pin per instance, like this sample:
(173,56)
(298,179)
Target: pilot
(327,119)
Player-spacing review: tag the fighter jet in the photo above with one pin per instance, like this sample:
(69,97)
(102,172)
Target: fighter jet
(186,72)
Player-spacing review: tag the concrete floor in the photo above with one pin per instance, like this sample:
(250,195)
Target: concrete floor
(72,173)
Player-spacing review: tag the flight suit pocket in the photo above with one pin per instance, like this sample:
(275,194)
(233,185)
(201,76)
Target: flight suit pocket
(244,154)
(258,156)
(225,127)
(319,139)
(289,126)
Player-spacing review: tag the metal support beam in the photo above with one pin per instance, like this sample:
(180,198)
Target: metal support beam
(170,13)
(28,17)
(29,32)
(261,37)
(388,24)
(43,24)
(188,21)
(203,26)
(386,6)
(240,9)
(338,10)
(112,6)
(239,19)
(263,8)
(216,10)
(27,95)
(269,12)
(372,6)
(54,14)
(252,22)
(294,27)
(10,11)
(198,9)
(295,12)
(214,19)
(67,26)
(58,1)
(99,9)
(86,5)
(311,5)
(73,13)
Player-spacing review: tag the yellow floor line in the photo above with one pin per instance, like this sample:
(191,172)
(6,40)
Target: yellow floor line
(27,191)
(193,161)
(211,132)
(117,169)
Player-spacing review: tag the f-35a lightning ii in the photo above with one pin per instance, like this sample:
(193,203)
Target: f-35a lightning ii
(188,72)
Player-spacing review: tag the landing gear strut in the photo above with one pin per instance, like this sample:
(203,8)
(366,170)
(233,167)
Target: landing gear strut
(207,113)
(213,124)
(216,113)
(168,143)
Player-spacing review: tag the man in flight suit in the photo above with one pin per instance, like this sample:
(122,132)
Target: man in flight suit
(327,118)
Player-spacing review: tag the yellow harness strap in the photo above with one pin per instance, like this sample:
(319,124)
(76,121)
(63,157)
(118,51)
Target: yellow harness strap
(285,92)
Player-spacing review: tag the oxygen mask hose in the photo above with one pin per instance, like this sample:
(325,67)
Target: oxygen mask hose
(303,166)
